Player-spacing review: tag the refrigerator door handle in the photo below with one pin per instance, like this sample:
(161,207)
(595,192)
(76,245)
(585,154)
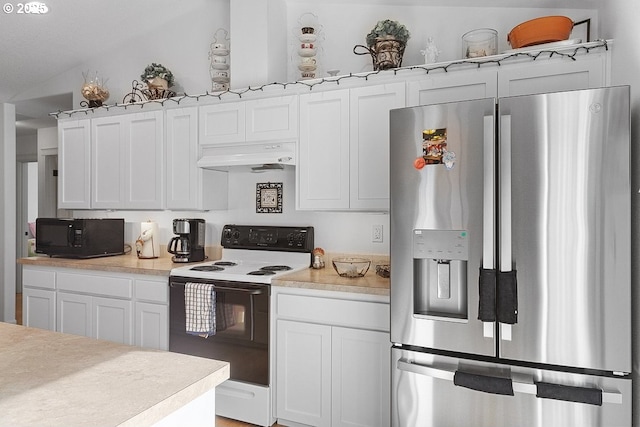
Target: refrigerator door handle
(522,385)
(505,256)
(486,310)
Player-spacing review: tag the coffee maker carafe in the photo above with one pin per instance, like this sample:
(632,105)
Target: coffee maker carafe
(188,245)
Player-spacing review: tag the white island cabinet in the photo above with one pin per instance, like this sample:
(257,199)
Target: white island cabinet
(332,358)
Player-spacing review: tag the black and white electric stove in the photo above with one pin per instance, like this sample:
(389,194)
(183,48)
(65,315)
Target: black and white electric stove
(252,257)
(256,254)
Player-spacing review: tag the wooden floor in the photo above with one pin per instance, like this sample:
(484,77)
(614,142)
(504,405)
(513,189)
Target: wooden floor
(220,421)
(226,422)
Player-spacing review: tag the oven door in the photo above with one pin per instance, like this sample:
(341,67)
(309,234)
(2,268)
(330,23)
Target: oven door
(242,328)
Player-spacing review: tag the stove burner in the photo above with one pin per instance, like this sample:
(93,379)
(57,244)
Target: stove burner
(209,267)
(261,273)
(225,263)
(276,268)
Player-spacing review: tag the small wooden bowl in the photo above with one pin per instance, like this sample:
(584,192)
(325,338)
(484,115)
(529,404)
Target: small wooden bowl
(546,29)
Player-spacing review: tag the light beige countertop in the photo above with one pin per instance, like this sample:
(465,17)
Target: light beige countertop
(327,279)
(129,263)
(323,279)
(53,379)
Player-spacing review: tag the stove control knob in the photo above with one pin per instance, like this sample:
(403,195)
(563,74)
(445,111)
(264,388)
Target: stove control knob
(236,234)
(226,233)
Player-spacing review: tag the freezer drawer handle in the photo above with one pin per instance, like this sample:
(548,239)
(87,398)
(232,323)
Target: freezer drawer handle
(524,387)
(507,297)
(484,383)
(591,396)
(487,303)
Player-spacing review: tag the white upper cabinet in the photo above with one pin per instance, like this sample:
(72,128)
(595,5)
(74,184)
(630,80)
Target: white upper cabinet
(272,119)
(74,164)
(127,161)
(265,119)
(369,144)
(553,74)
(344,148)
(222,123)
(189,187)
(323,157)
(455,86)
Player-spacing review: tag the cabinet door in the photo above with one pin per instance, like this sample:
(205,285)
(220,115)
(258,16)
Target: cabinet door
(323,158)
(189,187)
(303,373)
(183,174)
(144,161)
(222,123)
(39,308)
(112,320)
(107,161)
(152,325)
(456,86)
(272,118)
(553,75)
(74,161)
(361,378)
(369,144)
(74,314)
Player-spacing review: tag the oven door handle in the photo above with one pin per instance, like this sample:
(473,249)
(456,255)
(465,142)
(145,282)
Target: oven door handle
(251,291)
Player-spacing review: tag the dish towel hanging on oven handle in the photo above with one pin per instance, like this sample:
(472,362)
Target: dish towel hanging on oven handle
(200,309)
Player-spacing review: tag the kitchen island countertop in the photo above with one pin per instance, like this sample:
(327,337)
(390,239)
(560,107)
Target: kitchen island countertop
(54,379)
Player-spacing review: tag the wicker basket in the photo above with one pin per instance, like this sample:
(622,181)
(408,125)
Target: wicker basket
(386,53)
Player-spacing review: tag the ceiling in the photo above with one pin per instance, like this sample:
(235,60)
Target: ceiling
(37,47)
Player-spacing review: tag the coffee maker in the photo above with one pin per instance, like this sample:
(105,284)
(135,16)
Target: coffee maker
(188,245)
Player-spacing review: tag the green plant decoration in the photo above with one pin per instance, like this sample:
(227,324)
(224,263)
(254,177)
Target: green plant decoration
(388,28)
(157,70)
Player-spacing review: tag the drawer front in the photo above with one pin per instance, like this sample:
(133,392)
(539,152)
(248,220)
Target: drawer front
(333,311)
(153,291)
(38,278)
(118,287)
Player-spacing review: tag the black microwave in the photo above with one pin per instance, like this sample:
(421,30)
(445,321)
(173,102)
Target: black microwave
(80,238)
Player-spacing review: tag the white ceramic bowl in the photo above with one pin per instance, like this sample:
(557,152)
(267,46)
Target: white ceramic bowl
(307,67)
(220,51)
(219,66)
(307,38)
(306,52)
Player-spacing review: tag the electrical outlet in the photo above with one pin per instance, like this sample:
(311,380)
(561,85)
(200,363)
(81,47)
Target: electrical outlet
(376,233)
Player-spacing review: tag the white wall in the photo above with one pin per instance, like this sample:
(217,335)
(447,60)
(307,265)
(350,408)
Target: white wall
(334,231)
(184,49)
(8,212)
(619,22)
(345,26)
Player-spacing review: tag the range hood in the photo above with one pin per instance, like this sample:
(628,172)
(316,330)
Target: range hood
(258,157)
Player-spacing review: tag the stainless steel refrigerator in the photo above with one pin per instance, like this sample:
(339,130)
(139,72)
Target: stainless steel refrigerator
(511,264)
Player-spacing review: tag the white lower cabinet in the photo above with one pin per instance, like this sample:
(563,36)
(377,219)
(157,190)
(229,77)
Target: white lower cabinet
(39,298)
(74,314)
(119,307)
(39,308)
(151,325)
(332,365)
